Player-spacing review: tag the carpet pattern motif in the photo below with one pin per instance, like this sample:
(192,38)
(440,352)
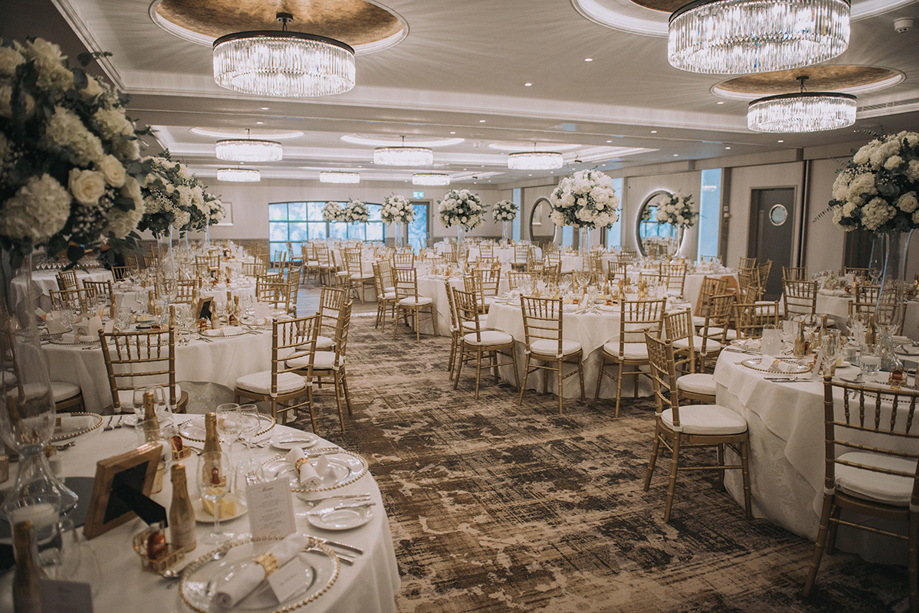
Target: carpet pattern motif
(500,507)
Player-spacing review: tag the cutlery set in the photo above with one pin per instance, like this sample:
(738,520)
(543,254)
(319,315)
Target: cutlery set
(115,421)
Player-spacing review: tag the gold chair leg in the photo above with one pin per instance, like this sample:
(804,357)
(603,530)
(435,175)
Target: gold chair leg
(653,462)
(459,365)
(341,414)
(671,487)
(478,370)
(344,387)
(913,562)
(818,545)
(600,377)
(618,386)
(581,379)
(526,374)
(744,461)
(561,384)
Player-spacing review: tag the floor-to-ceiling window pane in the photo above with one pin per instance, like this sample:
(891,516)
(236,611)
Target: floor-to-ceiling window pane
(297,222)
(418,228)
(614,232)
(567,236)
(517,198)
(710,213)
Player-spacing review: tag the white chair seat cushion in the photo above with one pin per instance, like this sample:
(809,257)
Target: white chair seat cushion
(323,343)
(260,382)
(697,383)
(324,360)
(731,335)
(61,390)
(710,345)
(698,321)
(488,337)
(549,347)
(312,262)
(880,487)
(709,419)
(421,301)
(631,351)
(126,397)
(390,295)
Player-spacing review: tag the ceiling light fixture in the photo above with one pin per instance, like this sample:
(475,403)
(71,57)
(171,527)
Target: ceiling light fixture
(283,64)
(430,179)
(339,177)
(239,175)
(403,156)
(535,160)
(802,112)
(249,150)
(750,36)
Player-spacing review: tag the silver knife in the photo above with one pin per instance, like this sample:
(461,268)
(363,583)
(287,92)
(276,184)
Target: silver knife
(325,510)
(326,541)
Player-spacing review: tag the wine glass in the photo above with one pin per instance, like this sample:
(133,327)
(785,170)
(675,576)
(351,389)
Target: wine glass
(229,424)
(216,481)
(250,422)
(870,362)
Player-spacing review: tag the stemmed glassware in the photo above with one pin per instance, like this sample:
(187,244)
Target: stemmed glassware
(216,481)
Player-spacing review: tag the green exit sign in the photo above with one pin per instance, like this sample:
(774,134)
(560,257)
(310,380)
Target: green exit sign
(417,195)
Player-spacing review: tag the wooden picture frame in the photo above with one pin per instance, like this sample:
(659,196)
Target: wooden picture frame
(136,469)
(205,308)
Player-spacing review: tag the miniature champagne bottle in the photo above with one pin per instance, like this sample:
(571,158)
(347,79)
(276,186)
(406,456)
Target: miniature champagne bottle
(181,513)
(28,574)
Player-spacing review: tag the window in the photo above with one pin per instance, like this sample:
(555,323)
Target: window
(614,232)
(710,213)
(516,223)
(298,222)
(418,228)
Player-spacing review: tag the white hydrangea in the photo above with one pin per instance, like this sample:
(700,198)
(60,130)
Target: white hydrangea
(66,130)
(876,213)
(861,188)
(49,63)
(912,170)
(38,211)
(112,123)
(893,162)
(10,59)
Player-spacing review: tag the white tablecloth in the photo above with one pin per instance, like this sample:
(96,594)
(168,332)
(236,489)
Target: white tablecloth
(45,280)
(219,361)
(787,453)
(836,302)
(134,297)
(370,585)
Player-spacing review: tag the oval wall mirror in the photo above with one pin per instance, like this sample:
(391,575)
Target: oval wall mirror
(541,227)
(654,239)
(778,214)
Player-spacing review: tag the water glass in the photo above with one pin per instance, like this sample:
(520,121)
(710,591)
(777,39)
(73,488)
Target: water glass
(870,363)
(772,341)
(216,481)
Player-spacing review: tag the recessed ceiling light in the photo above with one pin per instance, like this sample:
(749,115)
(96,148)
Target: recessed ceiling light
(528,85)
(676,155)
(727,147)
(264,108)
(481,121)
(781,141)
(720,102)
(609,141)
(259,123)
(588,59)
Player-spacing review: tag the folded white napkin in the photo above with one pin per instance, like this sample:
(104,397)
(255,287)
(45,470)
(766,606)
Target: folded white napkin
(310,476)
(240,583)
(88,327)
(225,331)
(78,422)
(54,323)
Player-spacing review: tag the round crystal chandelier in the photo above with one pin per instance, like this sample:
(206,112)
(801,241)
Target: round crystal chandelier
(535,160)
(249,150)
(403,156)
(283,64)
(430,179)
(339,177)
(802,112)
(750,36)
(239,175)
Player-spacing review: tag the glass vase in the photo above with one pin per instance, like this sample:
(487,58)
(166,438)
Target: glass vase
(397,229)
(505,233)
(460,244)
(28,414)
(583,267)
(897,247)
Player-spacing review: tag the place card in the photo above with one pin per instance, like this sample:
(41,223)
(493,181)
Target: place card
(65,596)
(271,509)
(287,580)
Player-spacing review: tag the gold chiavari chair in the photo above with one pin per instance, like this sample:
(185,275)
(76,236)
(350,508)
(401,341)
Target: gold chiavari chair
(408,302)
(546,346)
(341,278)
(790,273)
(67,279)
(487,282)
(325,267)
(358,273)
(207,266)
(257,268)
(186,291)
(455,328)
(763,271)
(478,344)
(857,272)
(518,280)
(673,276)
(522,255)
(386,294)
(711,286)
(485,263)
(332,301)
(629,353)
(310,263)
(294,256)
(691,427)
(486,250)
(103,289)
(748,284)
(134,360)
(715,334)
(281,385)
(627,257)
(750,317)
(746,263)
(77,300)
(274,293)
(680,332)
(403,259)
(551,274)
(799,298)
(119,273)
(871,469)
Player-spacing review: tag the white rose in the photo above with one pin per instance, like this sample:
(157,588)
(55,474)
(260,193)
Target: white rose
(893,162)
(864,153)
(912,171)
(87,186)
(9,59)
(908,202)
(112,170)
(6,97)
(916,217)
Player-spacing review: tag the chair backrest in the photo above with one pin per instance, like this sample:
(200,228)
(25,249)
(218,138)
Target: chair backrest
(455,324)
(516,280)
(321,251)
(678,326)
(406,283)
(291,339)
(486,250)
(542,320)
(627,257)
(119,273)
(763,271)
(185,291)
(790,273)
(71,299)
(663,375)
(636,317)
(98,289)
(551,273)
(139,359)
(257,268)
(799,298)
(67,279)
(275,293)
(205,265)
(403,259)
(717,317)
(342,331)
(711,286)
(332,301)
(488,280)
(750,317)
(674,278)
(858,272)
(354,263)
(485,262)
(749,285)
(746,263)
(521,253)
(467,313)
(553,258)
(870,420)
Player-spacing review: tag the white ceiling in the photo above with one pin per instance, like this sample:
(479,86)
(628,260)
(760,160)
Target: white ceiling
(460,72)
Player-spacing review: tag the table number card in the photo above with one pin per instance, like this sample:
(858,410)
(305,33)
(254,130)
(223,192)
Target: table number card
(271,509)
(65,596)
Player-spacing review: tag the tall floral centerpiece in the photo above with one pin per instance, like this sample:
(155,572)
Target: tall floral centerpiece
(356,212)
(333,211)
(463,209)
(680,212)
(878,191)
(585,200)
(69,183)
(504,212)
(397,210)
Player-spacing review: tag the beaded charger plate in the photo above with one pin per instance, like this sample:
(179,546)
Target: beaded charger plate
(781,367)
(202,578)
(194,432)
(344,469)
(62,435)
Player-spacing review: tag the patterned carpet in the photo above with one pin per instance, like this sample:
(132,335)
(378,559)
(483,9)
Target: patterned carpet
(500,507)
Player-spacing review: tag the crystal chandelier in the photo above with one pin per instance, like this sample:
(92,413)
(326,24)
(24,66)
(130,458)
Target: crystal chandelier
(535,160)
(239,175)
(430,179)
(249,150)
(283,64)
(802,112)
(403,156)
(749,36)
(339,177)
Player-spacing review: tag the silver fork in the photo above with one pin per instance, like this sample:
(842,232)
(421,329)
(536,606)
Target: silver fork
(351,498)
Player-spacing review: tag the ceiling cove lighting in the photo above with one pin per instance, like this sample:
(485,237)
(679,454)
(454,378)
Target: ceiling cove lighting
(239,175)
(535,160)
(430,179)
(403,156)
(751,36)
(283,64)
(339,177)
(802,112)
(249,150)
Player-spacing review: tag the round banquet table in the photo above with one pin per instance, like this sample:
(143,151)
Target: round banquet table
(45,280)
(134,297)
(836,302)
(786,428)
(369,585)
(215,361)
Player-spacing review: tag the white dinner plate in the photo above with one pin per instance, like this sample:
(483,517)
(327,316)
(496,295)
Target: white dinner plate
(340,519)
(909,349)
(286,442)
(608,308)
(204,517)
(344,468)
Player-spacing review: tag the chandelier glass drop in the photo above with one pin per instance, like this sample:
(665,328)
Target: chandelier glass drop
(283,64)
(249,150)
(239,175)
(535,160)
(403,156)
(751,36)
(430,179)
(339,177)
(802,112)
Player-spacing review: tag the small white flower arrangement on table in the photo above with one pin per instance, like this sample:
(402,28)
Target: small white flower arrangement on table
(333,211)
(678,211)
(356,211)
(504,210)
(397,209)
(461,207)
(586,199)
